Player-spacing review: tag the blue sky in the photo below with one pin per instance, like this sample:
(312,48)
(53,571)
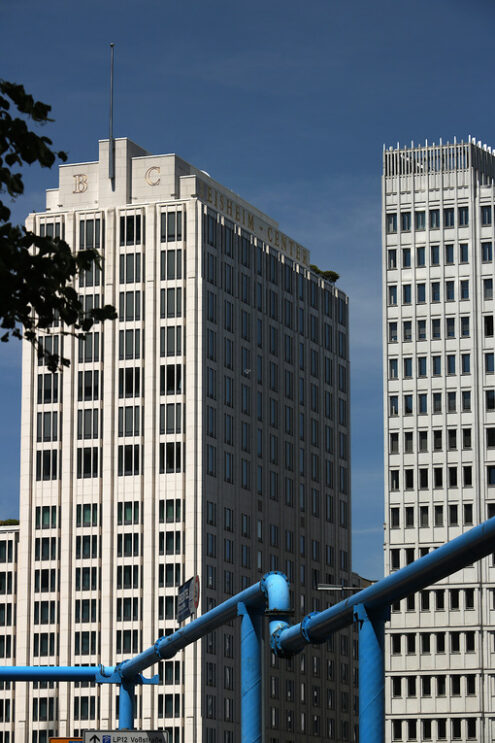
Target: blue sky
(287,103)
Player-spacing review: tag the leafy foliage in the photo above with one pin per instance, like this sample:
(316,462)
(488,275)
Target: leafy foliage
(328,275)
(9,522)
(36,273)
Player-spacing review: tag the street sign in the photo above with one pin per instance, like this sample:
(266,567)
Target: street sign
(188,599)
(125,736)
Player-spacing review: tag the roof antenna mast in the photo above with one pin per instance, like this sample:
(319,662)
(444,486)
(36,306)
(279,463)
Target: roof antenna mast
(111,141)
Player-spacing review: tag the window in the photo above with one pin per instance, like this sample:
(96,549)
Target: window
(422,403)
(434,219)
(449,291)
(421,330)
(130,229)
(405,221)
(407,330)
(435,255)
(449,254)
(391,222)
(392,332)
(451,402)
(488,326)
(435,291)
(392,258)
(46,464)
(408,404)
(437,402)
(48,387)
(464,294)
(486,216)
(487,288)
(420,221)
(466,363)
(489,363)
(128,459)
(463,216)
(465,327)
(87,462)
(406,294)
(448,217)
(129,344)
(437,477)
(406,258)
(486,252)
(47,426)
(420,256)
(435,328)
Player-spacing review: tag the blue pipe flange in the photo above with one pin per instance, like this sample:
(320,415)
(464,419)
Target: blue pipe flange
(156,648)
(304,628)
(276,646)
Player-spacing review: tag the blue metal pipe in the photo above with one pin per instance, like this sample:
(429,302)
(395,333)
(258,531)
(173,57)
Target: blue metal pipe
(251,722)
(254,598)
(371,673)
(276,588)
(126,705)
(447,559)
(51,673)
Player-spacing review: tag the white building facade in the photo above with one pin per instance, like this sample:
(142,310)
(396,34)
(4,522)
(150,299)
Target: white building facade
(439,412)
(205,432)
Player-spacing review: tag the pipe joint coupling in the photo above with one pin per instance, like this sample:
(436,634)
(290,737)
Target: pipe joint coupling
(305,629)
(276,645)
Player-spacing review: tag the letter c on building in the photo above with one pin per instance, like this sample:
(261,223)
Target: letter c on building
(152,176)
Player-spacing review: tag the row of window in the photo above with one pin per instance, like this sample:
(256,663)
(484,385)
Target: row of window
(273,406)
(451,254)
(450,365)
(425,516)
(434,294)
(436,329)
(256,439)
(434,477)
(422,402)
(252,292)
(438,643)
(306,324)
(418,218)
(438,401)
(306,464)
(434,440)
(456,728)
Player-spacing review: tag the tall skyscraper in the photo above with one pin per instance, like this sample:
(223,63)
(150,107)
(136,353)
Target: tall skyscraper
(205,432)
(439,410)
